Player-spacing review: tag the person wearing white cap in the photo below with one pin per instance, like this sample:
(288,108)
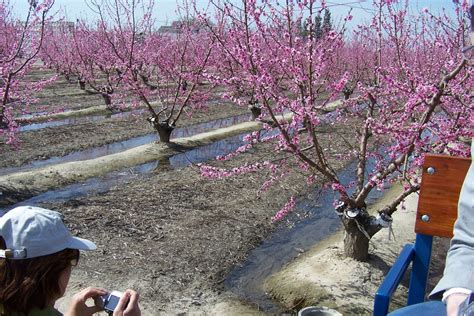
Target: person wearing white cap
(37,253)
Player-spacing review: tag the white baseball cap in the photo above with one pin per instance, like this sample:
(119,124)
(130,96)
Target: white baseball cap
(31,232)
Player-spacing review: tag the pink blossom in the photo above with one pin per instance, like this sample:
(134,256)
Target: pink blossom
(287,208)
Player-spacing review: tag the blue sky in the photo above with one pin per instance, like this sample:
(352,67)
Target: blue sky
(164,11)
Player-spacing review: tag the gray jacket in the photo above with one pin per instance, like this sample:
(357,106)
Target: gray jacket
(459,269)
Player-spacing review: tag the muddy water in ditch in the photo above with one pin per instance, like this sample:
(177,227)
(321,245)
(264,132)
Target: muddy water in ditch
(102,184)
(130,143)
(72,121)
(77,120)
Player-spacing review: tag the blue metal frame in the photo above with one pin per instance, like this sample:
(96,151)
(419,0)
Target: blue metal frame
(420,254)
(421,265)
(392,280)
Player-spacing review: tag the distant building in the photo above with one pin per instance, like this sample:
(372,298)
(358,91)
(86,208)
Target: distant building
(176,27)
(173,29)
(61,26)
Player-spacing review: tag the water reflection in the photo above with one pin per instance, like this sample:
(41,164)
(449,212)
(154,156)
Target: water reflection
(190,130)
(75,120)
(102,184)
(127,144)
(206,153)
(81,119)
(90,186)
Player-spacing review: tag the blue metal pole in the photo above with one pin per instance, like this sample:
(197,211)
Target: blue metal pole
(421,264)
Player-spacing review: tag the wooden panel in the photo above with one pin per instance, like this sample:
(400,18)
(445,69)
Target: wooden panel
(439,194)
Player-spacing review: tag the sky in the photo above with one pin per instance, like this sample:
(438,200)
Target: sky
(165,10)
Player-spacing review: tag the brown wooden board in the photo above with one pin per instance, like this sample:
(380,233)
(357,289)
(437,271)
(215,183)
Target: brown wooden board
(439,194)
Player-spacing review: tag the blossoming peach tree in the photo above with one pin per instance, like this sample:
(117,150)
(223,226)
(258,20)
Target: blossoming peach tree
(407,90)
(20,42)
(90,53)
(168,76)
(122,53)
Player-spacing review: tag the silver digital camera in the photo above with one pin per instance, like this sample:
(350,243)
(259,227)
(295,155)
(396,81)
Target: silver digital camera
(109,301)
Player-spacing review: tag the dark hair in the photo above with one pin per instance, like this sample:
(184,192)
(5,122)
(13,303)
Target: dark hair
(31,283)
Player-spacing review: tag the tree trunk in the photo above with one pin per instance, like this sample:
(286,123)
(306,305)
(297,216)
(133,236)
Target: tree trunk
(6,91)
(184,85)
(145,79)
(147,83)
(82,85)
(347,93)
(164,131)
(256,110)
(356,244)
(3,122)
(107,100)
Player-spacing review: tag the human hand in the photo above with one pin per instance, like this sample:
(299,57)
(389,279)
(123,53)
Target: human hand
(453,301)
(78,306)
(130,309)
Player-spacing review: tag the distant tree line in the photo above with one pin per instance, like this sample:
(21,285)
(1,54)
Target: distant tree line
(321,25)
